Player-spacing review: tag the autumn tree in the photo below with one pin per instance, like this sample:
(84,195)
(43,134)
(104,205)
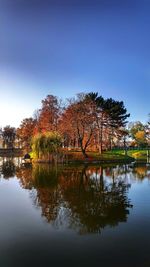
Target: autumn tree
(78,118)
(49,114)
(140,138)
(86,121)
(134,127)
(99,117)
(138,132)
(25,132)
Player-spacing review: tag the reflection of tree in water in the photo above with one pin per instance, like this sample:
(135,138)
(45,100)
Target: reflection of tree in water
(48,191)
(86,199)
(44,178)
(7,169)
(25,176)
(82,197)
(141,171)
(95,203)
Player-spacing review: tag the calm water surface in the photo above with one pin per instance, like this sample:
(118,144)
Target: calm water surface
(74,216)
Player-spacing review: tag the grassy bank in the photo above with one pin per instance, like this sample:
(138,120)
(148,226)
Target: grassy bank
(138,155)
(114,156)
(77,156)
(93,157)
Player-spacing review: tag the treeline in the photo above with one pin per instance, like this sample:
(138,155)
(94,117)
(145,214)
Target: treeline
(85,122)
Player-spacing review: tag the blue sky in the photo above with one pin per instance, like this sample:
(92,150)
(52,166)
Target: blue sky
(70,46)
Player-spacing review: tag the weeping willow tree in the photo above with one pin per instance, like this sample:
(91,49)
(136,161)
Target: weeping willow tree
(46,145)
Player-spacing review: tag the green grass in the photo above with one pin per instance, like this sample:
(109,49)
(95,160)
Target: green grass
(107,156)
(113,155)
(138,154)
(95,156)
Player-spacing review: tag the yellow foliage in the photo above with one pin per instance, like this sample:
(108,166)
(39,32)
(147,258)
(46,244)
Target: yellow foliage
(140,135)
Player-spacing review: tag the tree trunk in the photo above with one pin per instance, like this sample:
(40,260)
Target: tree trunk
(82,148)
(84,152)
(101,140)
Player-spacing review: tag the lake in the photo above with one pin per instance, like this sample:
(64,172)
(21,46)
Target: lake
(74,215)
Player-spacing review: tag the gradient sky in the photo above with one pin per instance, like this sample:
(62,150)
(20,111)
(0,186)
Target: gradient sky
(63,47)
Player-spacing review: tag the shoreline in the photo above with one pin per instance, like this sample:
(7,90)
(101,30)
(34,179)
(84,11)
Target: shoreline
(75,157)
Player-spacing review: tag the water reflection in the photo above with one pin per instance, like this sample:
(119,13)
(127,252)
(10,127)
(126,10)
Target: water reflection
(85,199)
(94,201)
(7,168)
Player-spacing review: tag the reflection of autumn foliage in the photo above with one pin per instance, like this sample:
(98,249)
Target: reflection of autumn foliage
(141,172)
(90,197)
(25,176)
(49,200)
(81,196)
(95,204)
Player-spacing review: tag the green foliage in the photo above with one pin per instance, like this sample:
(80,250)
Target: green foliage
(44,144)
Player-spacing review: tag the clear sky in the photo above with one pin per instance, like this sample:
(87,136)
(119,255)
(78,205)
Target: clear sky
(63,47)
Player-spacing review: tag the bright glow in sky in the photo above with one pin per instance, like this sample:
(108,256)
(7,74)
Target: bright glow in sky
(70,46)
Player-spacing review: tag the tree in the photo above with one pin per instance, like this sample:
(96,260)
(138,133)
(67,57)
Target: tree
(148,129)
(134,127)
(116,117)
(49,114)
(99,117)
(78,118)
(149,119)
(140,138)
(138,132)
(25,132)
(46,144)
(8,135)
(109,115)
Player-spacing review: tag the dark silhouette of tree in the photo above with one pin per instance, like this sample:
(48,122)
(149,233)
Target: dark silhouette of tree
(8,135)
(109,117)
(116,118)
